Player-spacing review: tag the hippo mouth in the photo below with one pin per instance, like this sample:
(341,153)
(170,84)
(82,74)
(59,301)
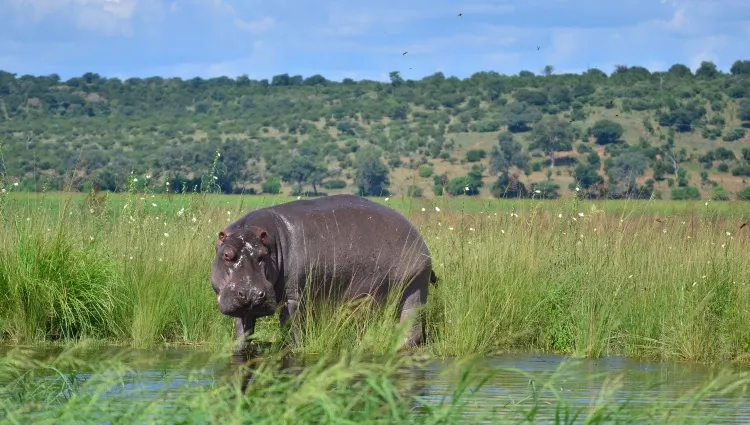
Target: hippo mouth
(232,304)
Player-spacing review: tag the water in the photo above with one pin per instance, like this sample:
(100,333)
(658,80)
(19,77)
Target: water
(579,382)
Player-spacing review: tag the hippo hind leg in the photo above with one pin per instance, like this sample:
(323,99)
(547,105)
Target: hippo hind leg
(415,298)
(286,319)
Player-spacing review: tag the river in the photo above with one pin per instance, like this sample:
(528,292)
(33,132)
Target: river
(579,382)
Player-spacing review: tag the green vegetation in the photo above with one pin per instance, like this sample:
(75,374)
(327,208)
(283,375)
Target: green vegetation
(78,385)
(634,133)
(582,278)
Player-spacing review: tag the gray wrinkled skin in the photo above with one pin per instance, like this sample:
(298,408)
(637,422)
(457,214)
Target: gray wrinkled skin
(345,246)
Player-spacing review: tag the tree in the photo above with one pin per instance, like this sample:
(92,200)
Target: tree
(707,69)
(623,171)
(551,135)
(508,186)
(680,70)
(468,184)
(371,177)
(518,116)
(508,153)
(301,170)
(606,131)
(743,112)
(740,67)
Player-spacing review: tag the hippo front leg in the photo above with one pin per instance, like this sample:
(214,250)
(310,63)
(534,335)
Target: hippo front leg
(287,313)
(244,327)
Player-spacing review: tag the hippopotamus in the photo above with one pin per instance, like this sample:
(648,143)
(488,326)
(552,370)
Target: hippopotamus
(344,247)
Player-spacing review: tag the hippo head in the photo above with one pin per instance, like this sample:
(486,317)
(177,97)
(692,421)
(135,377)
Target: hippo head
(238,274)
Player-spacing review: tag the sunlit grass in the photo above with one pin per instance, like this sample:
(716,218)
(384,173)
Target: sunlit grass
(573,277)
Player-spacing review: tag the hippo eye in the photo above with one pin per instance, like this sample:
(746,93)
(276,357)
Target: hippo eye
(229,254)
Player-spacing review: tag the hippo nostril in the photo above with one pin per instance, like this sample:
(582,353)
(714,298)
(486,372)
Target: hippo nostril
(261,295)
(241,294)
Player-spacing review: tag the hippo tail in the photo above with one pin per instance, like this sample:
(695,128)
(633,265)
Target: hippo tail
(433,277)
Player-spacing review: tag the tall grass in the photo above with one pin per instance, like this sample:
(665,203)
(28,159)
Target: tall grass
(567,277)
(77,386)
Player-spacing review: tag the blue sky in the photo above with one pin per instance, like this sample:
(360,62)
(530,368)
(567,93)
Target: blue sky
(339,39)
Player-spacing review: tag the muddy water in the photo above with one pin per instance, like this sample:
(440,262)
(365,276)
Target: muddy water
(516,382)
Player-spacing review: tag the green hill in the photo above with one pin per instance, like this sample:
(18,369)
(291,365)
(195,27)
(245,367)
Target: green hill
(676,133)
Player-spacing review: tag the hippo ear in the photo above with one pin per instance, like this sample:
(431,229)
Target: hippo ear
(222,238)
(261,234)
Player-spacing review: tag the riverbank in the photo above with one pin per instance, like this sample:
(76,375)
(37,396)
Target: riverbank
(665,280)
(96,385)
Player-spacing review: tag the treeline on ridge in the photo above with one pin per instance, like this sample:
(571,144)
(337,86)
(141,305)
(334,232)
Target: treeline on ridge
(633,133)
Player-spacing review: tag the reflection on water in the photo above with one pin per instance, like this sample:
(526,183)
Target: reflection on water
(513,381)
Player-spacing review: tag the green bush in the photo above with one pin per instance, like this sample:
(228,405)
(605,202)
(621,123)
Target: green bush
(334,184)
(271,186)
(685,193)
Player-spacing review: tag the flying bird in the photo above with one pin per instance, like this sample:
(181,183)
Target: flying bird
(537,47)
(404,53)
(460,14)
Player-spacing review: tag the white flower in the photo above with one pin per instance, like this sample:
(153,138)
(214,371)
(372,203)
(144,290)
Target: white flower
(559,215)
(15,184)
(166,235)
(729,234)
(216,178)
(580,214)
(437,209)
(91,238)
(578,189)
(502,231)
(4,192)
(167,183)
(181,211)
(466,188)
(386,199)
(471,229)
(194,219)
(91,210)
(148,177)
(422,209)
(153,204)
(450,228)
(537,191)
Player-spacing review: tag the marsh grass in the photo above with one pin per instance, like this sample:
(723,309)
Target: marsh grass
(79,385)
(570,277)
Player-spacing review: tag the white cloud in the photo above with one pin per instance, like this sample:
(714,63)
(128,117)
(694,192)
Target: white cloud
(109,17)
(256,65)
(485,8)
(705,49)
(223,7)
(259,26)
